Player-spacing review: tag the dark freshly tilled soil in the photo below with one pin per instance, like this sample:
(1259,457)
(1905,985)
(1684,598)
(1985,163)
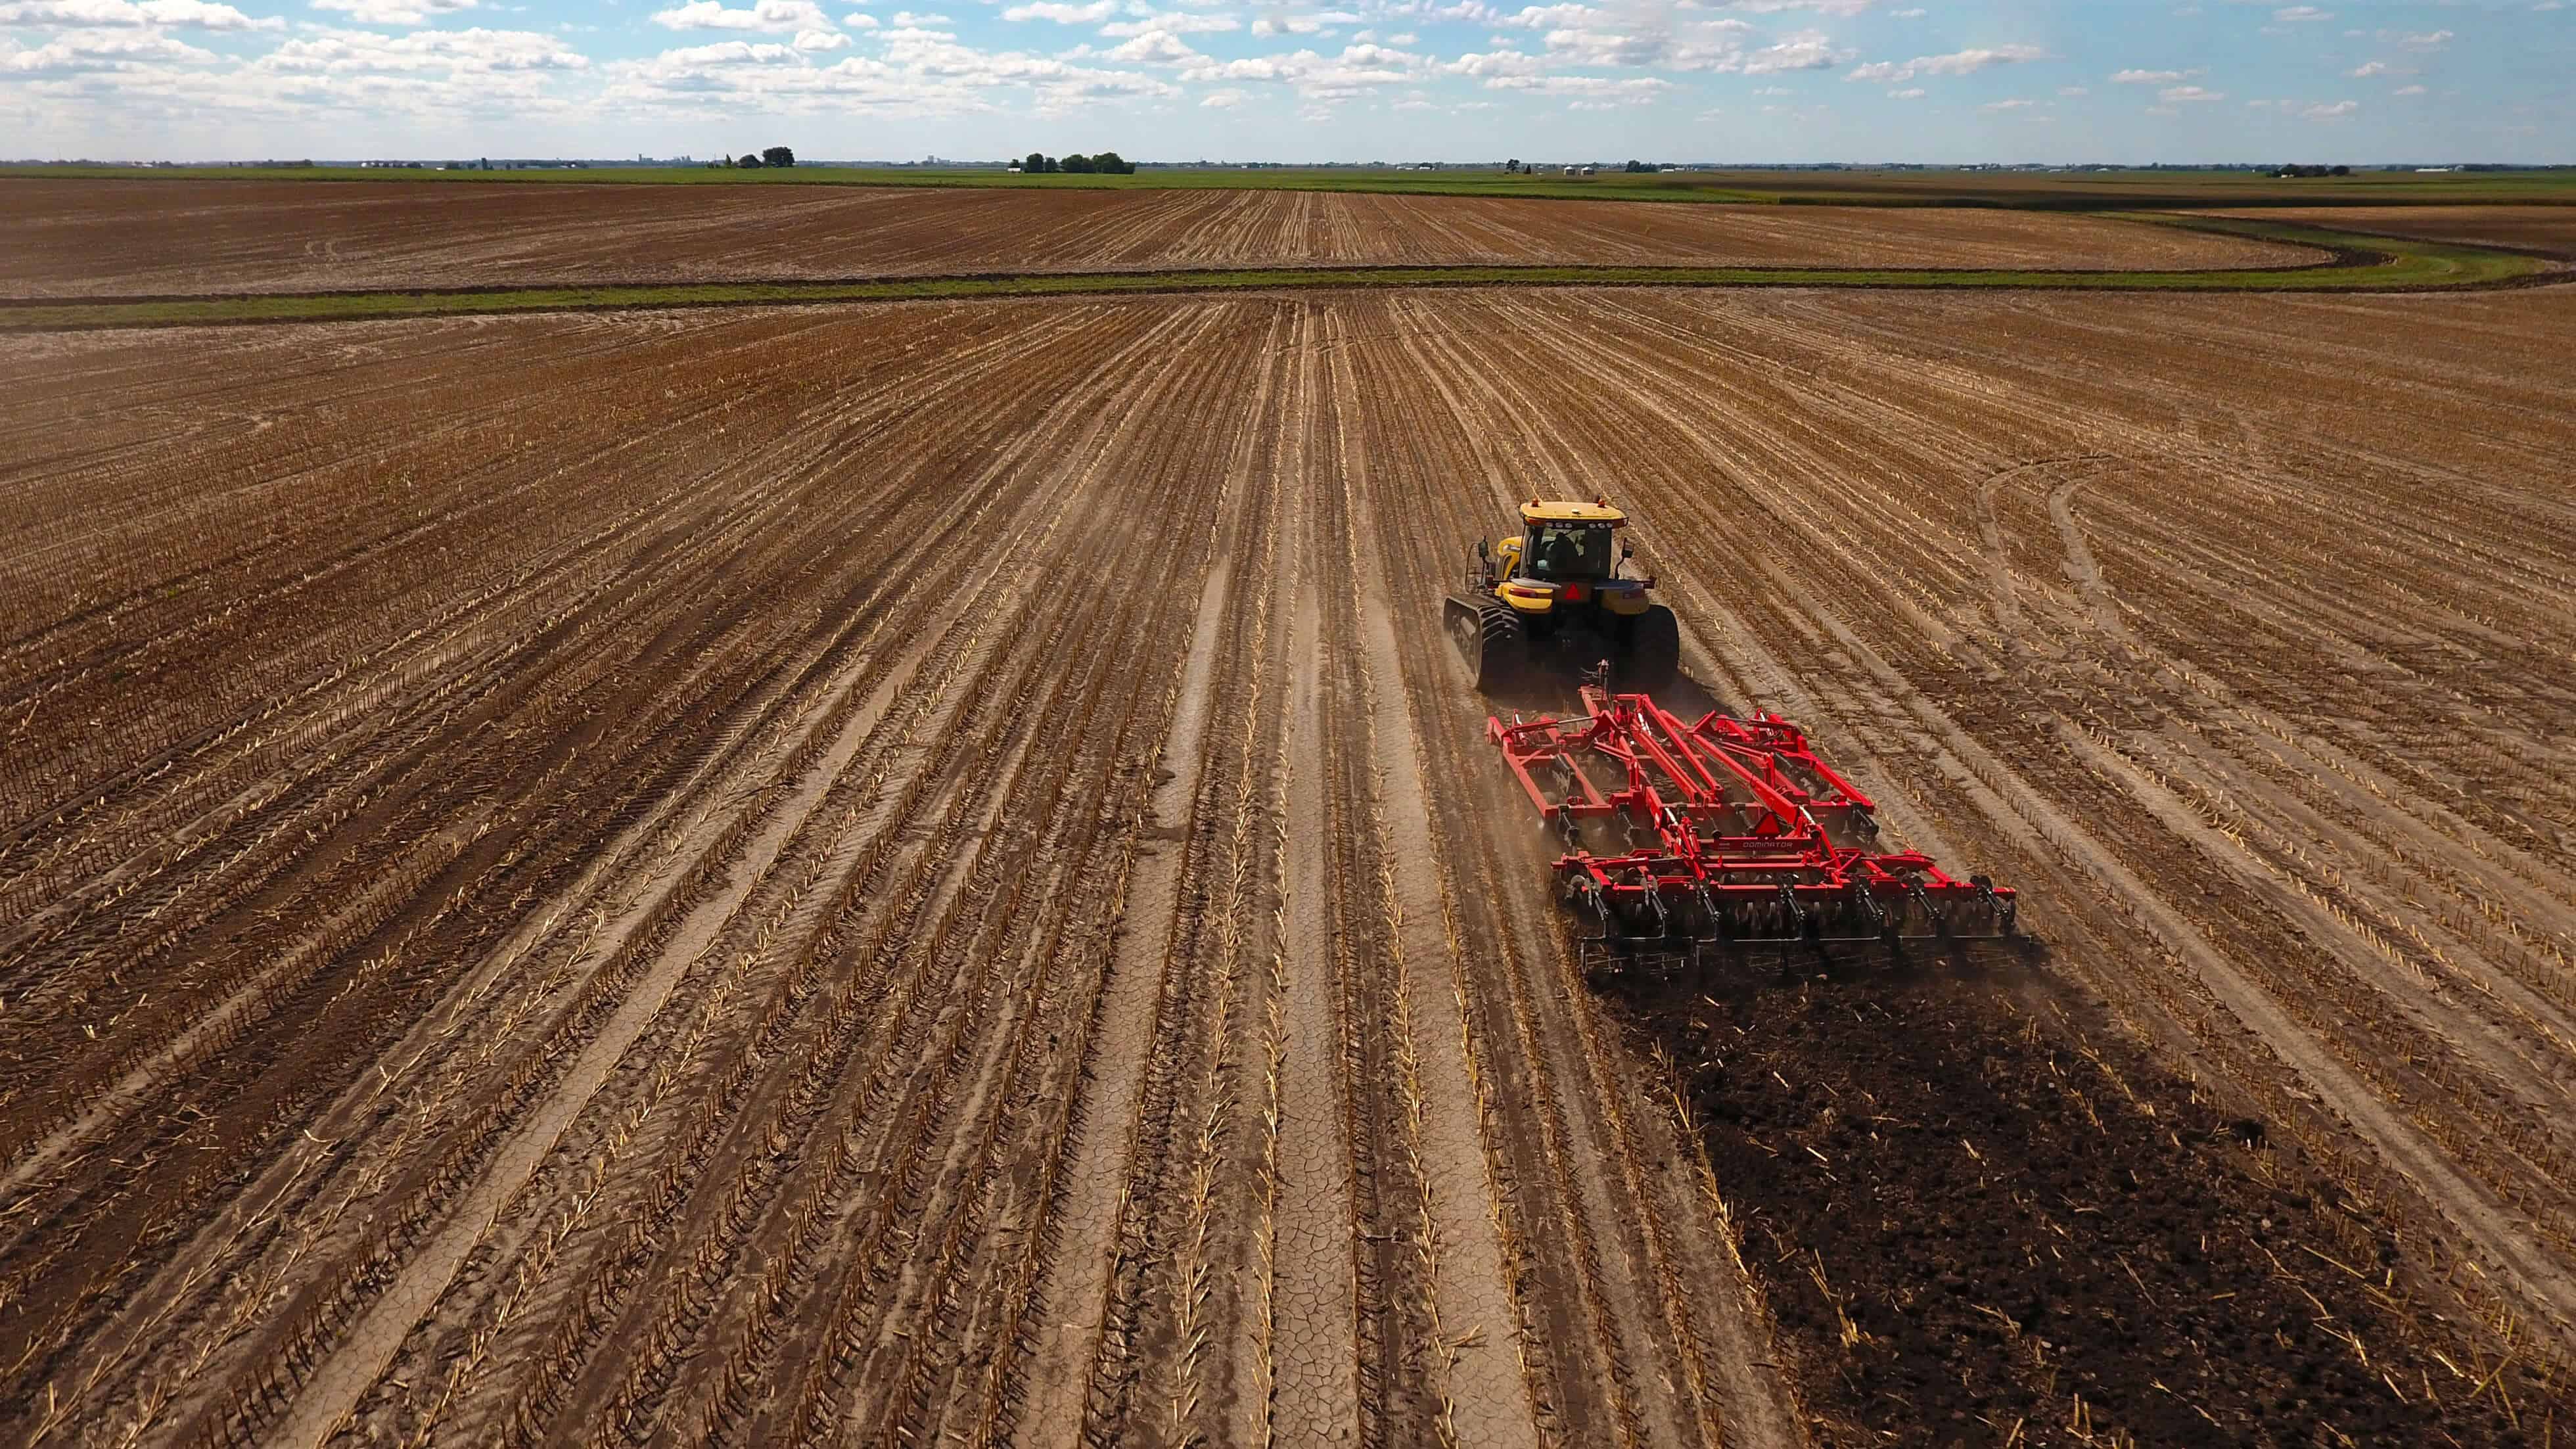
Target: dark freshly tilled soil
(1978,1223)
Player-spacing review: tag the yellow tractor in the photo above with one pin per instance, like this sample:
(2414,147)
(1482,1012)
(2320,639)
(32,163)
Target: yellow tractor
(1558,594)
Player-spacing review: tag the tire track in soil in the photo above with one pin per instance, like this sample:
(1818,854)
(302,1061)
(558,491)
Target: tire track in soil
(853,1384)
(1315,1381)
(306,583)
(1103,1133)
(277,831)
(1169,1352)
(1207,1230)
(781,823)
(1569,1349)
(1484,1396)
(1402,1370)
(388,1083)
(894,823)
(635,915)
(1615,1194)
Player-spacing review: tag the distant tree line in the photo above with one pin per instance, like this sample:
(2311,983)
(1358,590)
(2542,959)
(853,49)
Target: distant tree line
(1106,163)
(774,156)
(2314,171)
(1514,167)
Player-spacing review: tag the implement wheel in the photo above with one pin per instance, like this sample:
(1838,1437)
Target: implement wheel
(1490,640)
(1654,648)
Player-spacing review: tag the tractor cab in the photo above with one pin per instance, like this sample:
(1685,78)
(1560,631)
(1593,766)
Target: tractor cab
(1564,542)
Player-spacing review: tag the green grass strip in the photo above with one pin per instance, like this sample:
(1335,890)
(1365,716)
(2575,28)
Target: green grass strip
(2363,264)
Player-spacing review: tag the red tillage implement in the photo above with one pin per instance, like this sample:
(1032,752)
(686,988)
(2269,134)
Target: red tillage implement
(1682,835)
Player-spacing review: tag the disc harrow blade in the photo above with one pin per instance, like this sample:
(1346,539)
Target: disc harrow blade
(1729,832)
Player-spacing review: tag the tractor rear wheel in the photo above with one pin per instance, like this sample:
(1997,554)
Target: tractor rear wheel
(1491,640)
(1654,648)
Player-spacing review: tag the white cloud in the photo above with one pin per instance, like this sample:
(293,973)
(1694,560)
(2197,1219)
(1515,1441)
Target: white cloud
(1226,98)
(2151,77)
(93,50)
(2407,91)
(1155,47)
(2433,40)
(731,52)
(113,14)
(1318,79)
(2011,105)
(1910,93)
(1810,51)
(923,71)
(393,12)
(2301,14)
(478,51)
(1647,37)
(1320,22)
(1549,17)
(1062,14)
(1180,22)
(1964,61)
(821,40)
(1482,64)
(1635,88)
(2073,91)
(777,16)
(488,50)
(333,86)
(2367,69)
(1957,62)
(2173,94)
(2324,111)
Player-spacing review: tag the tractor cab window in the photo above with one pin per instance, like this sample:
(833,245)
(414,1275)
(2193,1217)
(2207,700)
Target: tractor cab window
(1567,551)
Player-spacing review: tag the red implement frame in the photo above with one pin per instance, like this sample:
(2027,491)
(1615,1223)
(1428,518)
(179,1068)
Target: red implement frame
(1681,835)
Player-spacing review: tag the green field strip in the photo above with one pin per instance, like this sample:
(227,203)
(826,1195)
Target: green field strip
(2359,263)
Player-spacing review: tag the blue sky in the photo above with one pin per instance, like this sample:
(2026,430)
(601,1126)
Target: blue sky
(1752,80)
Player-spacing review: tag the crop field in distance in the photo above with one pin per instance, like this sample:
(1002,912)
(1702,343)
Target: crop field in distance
(186,237)
(927,873)
(2549,230)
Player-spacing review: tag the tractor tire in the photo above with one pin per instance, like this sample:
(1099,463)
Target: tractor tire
(1494,643)
(1654,649)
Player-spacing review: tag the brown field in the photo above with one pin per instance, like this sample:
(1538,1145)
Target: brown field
(927,873)
(100,238)
(2550,229)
